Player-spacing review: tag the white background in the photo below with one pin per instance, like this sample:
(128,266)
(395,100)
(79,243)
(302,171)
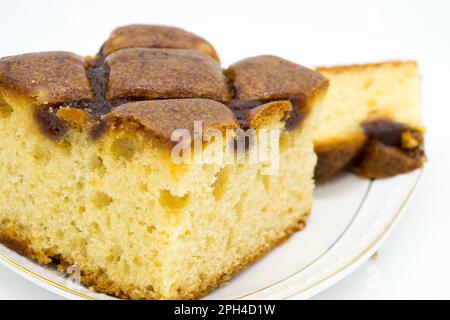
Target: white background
(415,261)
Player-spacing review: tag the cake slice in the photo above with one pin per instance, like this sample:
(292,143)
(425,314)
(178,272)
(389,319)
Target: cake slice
(88,172)
(370,121)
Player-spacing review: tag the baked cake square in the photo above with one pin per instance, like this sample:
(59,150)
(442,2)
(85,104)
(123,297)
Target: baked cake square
(88,177)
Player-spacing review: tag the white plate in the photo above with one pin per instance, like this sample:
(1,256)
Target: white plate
(350,219)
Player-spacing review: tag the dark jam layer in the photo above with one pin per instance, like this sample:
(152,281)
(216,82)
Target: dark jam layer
(97,73)
(50,124)
(391,149)
(395,134)
(386,131)
(240,109)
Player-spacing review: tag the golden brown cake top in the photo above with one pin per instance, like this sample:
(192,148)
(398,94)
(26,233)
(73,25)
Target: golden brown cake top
(272,78)
(48,77)
(162,117)
(152,36)
(165,73)
(140,63)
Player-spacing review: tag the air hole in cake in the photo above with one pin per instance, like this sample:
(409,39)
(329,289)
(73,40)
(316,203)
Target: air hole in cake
(124,148)
(220,185)
(137,261)
(66,146)
(143,187)
(230,240)
(94,228)
(41,154)
(96,163)
(101,200)
(170,201)
(266,182)
(203,276)
(147,170)
(185,235)
(111,258)
(372,102)
(240,206)
(5,109)
(285,142)
(114,254)
(60,234)
(368,84)
(150,289)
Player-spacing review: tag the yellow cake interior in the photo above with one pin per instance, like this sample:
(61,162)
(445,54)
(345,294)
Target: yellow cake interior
(135,224)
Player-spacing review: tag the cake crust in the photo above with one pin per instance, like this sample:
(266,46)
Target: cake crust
(48,77)
(272,78)
(96,86)
(165,73)
(366,66)
(162,117)
(154,36)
